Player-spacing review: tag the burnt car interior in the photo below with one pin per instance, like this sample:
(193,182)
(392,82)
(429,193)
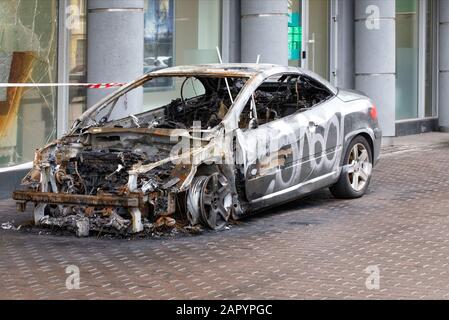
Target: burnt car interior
(282,96)
(203,100)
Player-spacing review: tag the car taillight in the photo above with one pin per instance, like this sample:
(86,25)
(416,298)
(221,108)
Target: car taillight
(373,112)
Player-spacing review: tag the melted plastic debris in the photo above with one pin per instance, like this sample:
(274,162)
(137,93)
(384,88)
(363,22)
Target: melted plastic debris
(8,226)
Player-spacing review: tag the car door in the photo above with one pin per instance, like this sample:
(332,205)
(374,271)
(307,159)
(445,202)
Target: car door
(281,155)
(324,133)
(272,156)
(272,153)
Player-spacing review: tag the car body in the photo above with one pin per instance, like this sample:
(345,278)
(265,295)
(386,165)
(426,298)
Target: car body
(256,136)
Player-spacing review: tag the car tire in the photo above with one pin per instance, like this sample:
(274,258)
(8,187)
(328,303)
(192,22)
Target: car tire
(356,170)
(210,201)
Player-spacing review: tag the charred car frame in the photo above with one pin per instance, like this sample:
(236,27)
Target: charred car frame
(242,137)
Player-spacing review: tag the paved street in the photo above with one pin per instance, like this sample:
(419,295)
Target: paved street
(314,248)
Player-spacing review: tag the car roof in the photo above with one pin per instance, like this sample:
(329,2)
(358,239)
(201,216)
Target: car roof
(243,70)
(224,69)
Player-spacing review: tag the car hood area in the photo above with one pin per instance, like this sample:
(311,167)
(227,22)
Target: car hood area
(117,168)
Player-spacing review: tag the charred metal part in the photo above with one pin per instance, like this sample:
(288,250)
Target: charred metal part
(132,200)
(193,200)
(21,206)
(164,221)
(137,220)
(78,223)
(39,212)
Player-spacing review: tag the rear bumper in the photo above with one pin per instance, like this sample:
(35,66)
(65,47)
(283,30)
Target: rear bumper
(377,144)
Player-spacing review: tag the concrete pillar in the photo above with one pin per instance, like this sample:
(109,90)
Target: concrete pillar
(115,36)
(345,44)
(375,57)
(264,28)
(231,31)
(443,100)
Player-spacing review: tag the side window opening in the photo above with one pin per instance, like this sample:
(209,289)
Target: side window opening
(311,92)
(281,96)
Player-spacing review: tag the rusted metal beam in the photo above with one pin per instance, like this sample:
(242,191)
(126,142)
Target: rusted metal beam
(129,201)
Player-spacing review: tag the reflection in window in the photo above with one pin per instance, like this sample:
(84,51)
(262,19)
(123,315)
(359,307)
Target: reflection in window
(28,31)
(77,60)
(431,33)
(179,32)
(158,35)
(294,33)
(407,59)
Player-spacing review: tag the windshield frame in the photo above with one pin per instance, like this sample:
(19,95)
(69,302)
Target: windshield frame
(90,113)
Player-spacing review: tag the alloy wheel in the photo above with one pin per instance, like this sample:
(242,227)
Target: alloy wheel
(359,167)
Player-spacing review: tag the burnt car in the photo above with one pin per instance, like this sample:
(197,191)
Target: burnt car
(220,142)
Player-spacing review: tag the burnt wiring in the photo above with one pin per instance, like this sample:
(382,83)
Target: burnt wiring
(205,108)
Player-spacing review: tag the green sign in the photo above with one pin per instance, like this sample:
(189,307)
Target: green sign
(294,36)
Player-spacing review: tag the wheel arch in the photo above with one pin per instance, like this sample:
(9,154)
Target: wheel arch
(369,136)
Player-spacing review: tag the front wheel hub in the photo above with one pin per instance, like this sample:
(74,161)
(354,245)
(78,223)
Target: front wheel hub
(216,201)
(359,167)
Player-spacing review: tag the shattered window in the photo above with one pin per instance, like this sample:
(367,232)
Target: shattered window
(28,39)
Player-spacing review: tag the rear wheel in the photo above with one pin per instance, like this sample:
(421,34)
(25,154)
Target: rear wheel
(356,172)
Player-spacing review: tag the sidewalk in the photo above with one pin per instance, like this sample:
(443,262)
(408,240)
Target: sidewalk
(317,247)
(417,141)
(430,138)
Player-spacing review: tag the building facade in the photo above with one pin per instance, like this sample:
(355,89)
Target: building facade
(396,51)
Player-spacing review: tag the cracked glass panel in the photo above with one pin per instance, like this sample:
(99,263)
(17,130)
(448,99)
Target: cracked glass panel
(28,39)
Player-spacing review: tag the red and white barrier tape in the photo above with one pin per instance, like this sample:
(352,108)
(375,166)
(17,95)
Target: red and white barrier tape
(87,85)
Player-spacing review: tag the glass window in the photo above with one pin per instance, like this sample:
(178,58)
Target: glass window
(179,32)
(294,33)
(311,26)
(431,16)
(28,44)
(318,38)
(77,59)
(407,59)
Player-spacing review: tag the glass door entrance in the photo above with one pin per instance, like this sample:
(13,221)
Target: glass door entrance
(309,35)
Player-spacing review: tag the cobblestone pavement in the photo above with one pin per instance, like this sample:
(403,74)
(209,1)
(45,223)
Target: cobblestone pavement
(314,248)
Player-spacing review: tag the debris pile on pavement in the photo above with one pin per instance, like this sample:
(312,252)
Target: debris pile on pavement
(105,223)
(108,223)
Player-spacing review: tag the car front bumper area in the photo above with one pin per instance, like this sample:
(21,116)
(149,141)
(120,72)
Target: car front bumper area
(135,203)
